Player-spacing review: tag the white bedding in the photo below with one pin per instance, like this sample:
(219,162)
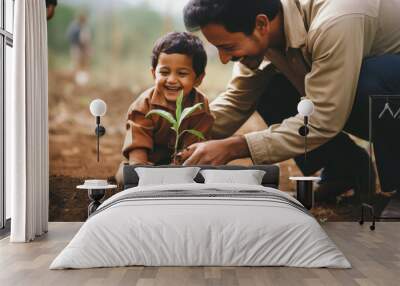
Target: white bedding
(185,230)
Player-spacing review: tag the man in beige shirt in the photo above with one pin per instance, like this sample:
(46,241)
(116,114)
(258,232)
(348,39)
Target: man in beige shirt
(333,52)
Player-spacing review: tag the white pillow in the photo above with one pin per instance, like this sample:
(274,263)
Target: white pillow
(248,177)
(164,176)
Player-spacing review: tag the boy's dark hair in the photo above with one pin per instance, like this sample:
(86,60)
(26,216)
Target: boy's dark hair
(181,43)
(233,15)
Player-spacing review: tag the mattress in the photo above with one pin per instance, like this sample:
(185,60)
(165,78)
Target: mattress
(201,225)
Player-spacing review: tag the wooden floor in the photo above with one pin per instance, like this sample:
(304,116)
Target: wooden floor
(375,256)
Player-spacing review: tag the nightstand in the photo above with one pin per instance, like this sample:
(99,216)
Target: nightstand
(304,190)
(95,194)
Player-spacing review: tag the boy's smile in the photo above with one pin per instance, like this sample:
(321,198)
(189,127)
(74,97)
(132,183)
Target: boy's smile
(174,73)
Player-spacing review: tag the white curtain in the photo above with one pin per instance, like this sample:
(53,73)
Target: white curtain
(27,124)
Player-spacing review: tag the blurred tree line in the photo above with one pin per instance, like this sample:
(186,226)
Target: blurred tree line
(122,38)
(119,36)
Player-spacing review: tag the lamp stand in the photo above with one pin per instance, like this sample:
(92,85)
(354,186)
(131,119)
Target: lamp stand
(100,131)
(303,131)
(98,137)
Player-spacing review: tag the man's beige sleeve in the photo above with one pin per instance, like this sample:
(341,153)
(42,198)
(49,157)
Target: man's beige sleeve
(337,54)
(234,106)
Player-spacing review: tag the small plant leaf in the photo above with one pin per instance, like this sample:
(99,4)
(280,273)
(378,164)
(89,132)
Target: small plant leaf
(164,114)
(179,106)
(188,111)
(195,133)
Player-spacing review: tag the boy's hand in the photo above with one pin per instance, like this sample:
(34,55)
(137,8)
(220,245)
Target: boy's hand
(215,152)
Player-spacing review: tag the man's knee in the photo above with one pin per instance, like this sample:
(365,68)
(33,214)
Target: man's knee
(380,75)
(339,153)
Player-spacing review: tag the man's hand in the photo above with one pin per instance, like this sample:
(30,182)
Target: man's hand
(216,152)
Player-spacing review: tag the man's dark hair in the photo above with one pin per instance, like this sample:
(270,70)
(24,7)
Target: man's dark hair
(51,2)
(233,15)
(181,43)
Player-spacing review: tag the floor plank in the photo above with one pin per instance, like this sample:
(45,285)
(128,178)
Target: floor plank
(375,257)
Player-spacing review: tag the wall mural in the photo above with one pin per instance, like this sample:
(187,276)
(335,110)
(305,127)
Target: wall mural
(102,50)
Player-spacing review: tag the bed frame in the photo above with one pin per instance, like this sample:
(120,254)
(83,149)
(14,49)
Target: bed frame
(270,179)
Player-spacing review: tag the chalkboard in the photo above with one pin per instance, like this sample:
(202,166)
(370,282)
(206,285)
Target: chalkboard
(384,142)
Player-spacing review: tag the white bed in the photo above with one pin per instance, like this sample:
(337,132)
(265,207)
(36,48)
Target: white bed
(222,225)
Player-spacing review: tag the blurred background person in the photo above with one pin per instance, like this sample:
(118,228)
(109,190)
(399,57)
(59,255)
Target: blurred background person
(78,34)
(51,8)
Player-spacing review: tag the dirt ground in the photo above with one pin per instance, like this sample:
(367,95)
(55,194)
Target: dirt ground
(73,147)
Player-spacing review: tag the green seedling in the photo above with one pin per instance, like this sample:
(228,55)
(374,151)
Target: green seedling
(176,122)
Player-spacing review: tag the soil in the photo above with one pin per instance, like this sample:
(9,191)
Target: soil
(72,143)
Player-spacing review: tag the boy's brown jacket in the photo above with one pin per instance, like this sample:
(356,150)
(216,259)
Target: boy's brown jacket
(155,133)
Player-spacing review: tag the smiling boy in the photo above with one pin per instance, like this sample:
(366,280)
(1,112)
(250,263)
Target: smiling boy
(178,64)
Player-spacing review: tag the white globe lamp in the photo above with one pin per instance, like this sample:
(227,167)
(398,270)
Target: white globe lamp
(305,107)
(98,109)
